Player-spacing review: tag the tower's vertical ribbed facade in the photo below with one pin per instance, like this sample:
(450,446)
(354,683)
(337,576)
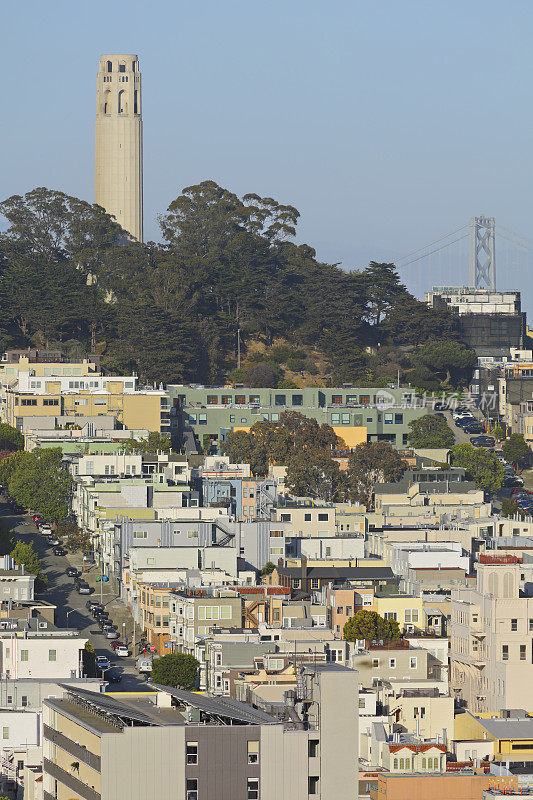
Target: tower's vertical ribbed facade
(118,183)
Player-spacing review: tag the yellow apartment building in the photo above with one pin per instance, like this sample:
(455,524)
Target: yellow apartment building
(405,609)
(146,409)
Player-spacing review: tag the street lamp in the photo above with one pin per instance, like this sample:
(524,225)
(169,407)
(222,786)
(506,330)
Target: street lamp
(68,614)
(124,634)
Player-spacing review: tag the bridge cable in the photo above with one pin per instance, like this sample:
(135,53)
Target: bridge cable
(442,247)
(414,252)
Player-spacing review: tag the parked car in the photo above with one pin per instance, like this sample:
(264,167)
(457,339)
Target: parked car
(84,588)
(464,421)
(94,605)
(37,518)
(59,551)
(55,542)
(511,482)
(474,428)
(113,676)
(122,651)
(111,633)
(482,441)
(117,643)
(102,662)
(98,612)
(46,530)
(519,490)
(72,572)
(144,664)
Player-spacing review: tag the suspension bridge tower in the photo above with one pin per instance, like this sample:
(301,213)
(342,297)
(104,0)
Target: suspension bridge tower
(483,257)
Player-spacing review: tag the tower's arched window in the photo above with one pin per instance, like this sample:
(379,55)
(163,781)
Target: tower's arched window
(133,66)
(109,66)
(107,102)
(135,102)
(122,68)
(122,103)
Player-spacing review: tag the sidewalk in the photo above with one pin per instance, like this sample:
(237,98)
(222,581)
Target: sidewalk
(106,592)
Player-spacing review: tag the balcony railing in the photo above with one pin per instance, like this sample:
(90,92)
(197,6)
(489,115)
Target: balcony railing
(81,753)
(70,781)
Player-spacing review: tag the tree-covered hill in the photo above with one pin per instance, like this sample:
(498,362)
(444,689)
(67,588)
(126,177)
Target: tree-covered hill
(70,276)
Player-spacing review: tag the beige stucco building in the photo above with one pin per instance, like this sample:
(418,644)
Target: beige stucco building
(492,637)
(118,181)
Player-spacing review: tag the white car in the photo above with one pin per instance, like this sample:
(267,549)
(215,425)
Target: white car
(46,530)
(122,651)
(102,662)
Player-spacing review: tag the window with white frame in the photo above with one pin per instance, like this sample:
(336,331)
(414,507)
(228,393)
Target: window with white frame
(192,753)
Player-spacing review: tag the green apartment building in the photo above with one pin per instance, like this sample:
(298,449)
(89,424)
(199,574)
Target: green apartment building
(356,414)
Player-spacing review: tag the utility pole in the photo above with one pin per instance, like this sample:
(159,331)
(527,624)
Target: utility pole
(483,255)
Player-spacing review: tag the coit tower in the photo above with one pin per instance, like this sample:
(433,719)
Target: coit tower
(118,183)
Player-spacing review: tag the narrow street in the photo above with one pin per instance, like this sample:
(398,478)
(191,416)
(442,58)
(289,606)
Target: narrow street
(71,611)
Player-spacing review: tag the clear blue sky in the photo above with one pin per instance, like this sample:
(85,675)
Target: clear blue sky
(387,124)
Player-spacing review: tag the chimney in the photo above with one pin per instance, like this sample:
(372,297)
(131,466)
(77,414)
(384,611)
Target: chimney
(303,571)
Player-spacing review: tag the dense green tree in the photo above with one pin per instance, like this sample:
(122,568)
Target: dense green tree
(481,466)
(75,538)
(23,553)
(410,322)
(154,443)
(510,508)
(69,275)
(370,625)
(38,481)
(268,568)
(89,660)
(447,360)
(10,438)
(176,669)
(315,474)
(516,450)
(383,289)
(430,431)
(371,463)
(257,375)
(280,442)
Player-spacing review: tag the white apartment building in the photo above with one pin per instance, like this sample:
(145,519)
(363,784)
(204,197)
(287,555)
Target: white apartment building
(15,583)
(20,746)
(492,637)
(36,649)
(28,382)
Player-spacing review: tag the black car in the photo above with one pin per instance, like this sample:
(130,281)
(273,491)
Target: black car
(59,551)
(112,675)
(98,614)
(94,605)
(464,421)
(482,441)
(72,572)
(475,427)
(84,588)
(512,482)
